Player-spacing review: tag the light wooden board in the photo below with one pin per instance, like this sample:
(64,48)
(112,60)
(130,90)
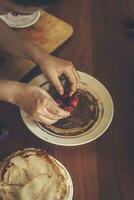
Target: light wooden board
(49,33)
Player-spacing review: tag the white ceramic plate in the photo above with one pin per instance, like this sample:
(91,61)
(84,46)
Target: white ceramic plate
(106,110)
(20,21)
(69,181)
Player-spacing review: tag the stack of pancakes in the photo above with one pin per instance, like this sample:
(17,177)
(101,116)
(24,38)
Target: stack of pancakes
(32,174)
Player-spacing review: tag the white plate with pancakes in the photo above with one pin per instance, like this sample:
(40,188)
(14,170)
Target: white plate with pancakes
(101,123)
(20,21)
(33,174)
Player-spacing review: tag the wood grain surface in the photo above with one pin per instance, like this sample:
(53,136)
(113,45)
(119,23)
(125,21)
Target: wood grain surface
(103,169)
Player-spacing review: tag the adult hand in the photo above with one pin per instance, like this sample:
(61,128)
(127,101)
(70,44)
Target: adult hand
(38,104)
(53,67)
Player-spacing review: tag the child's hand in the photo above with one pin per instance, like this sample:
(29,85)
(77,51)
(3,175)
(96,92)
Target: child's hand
(53,67)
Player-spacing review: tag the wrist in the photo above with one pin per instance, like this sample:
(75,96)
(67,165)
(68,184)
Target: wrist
(10,91)
(37,54)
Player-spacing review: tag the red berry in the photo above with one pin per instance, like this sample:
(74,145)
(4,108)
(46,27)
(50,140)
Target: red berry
(74,102)
(69,108)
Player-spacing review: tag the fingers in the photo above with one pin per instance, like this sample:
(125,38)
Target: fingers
(57,84)
(40,106)
(49,115)
(73,77)
(78,78)
(55,110)
(43,120)
(47,112)
(77,75)
(47,95)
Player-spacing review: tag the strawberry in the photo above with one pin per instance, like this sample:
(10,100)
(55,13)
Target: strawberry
(69,108)
(74,102)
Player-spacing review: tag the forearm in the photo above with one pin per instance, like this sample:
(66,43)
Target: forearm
(17,45)
(9,91)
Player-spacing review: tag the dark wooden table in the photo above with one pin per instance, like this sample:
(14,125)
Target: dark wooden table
(103,169)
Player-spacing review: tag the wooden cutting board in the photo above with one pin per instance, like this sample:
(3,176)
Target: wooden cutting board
(49,33)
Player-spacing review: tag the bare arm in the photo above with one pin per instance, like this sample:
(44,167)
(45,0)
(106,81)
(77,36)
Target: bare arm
(35,101)
(51,66)
(11,42)
(9,90)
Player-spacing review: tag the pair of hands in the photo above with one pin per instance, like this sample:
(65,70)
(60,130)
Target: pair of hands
(36,102)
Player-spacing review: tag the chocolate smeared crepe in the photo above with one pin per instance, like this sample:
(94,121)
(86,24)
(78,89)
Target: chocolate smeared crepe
(32,174)
(83,110)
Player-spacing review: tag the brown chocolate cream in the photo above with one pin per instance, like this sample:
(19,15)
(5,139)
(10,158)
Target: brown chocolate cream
(82,116)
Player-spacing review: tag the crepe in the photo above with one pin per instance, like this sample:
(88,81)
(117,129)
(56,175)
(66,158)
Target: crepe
(82,105)
(32,174)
